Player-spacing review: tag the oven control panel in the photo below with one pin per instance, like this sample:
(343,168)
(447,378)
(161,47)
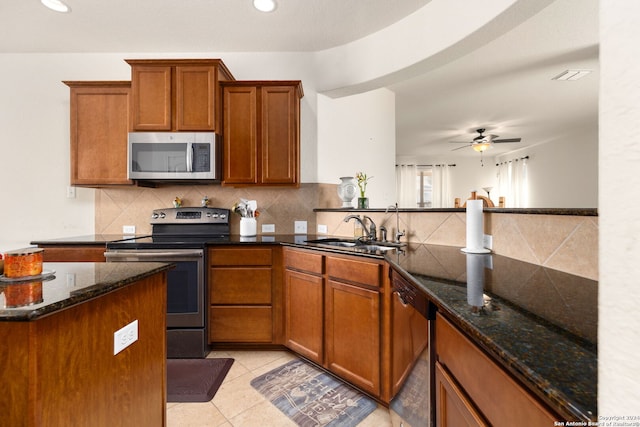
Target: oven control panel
(193,215)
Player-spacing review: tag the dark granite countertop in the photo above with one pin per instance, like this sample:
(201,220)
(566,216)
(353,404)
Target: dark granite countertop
(528,211)
(539,324)
(89,239)
(72,283)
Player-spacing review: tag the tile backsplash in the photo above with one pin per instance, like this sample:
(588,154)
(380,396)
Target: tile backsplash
(562,242)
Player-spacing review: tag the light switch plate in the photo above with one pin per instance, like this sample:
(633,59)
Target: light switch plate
(268,228)
(300,227)
(129,229)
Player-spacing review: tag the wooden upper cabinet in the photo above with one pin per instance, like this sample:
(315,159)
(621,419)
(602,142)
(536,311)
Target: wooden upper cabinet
(99,124)
(261,127)
(177,95)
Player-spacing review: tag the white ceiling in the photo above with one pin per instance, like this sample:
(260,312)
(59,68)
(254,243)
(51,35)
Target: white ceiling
(504,86)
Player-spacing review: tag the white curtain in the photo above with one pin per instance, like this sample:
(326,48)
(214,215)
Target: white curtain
(406,185)
(441,191)
(513,183)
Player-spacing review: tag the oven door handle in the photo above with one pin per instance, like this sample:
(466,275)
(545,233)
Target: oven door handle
(153,255)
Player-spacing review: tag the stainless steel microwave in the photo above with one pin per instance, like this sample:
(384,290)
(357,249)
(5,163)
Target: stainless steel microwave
(174,156)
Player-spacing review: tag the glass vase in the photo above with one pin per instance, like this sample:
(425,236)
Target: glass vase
(363,203)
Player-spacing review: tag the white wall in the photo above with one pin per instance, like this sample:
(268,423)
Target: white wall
(357,134)
(619,251)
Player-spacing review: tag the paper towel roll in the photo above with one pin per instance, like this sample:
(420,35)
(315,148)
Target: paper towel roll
(475,279)
(475,228)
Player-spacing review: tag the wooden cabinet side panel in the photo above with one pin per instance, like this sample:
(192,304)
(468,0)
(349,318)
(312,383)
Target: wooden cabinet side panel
(80,380)
(453,409)
(304,314)
(99,125)
(240,129)
(151,97)
(500,398)
(195,103)
(16,374)
(352,334)
(280,138)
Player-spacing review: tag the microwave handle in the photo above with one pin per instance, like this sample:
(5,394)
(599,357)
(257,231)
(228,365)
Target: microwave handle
(189,157)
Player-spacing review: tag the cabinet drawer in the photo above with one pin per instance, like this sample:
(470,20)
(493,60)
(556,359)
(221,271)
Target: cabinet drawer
(354,271)
(240,285)
(303,261)
(498,396)
(240,256)
(240,324)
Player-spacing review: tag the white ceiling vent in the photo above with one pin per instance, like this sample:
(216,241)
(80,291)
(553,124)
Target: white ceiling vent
(571,75)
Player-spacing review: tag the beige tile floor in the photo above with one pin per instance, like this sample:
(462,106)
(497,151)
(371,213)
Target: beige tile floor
(237,404)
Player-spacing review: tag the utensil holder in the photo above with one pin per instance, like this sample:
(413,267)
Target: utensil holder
(248,227)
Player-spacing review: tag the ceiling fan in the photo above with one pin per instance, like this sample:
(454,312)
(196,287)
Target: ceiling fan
(482,142)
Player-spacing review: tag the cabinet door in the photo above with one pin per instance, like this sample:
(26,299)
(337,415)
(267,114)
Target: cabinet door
(409,337)
(352,334)
(240,135)
(280,135)
(99,120)
(453,409)
(151,87)
(195,93)
(304,314)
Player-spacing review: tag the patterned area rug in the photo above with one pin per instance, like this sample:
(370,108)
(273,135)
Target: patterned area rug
(312,398)
(195,380)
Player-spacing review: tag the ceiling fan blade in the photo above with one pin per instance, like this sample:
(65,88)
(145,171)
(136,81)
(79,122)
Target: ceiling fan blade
(507,140)
(465,146)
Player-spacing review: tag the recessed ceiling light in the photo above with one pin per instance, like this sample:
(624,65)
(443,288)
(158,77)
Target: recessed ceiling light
(264,5)
(571,75)
(57,5)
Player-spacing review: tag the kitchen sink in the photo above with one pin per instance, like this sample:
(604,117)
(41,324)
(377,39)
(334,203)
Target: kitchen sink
(356,244)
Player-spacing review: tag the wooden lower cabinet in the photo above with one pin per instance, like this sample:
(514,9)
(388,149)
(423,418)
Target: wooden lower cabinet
(468,375)
(244,294)
(453,408)
(335,315)
(352,336)
(304,314)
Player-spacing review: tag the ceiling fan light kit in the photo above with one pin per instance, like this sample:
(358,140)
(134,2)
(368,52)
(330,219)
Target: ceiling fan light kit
(56,5)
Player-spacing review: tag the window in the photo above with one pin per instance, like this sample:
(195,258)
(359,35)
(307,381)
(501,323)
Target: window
(424,186)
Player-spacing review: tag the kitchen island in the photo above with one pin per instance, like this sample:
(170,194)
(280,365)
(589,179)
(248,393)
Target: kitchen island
(58,334)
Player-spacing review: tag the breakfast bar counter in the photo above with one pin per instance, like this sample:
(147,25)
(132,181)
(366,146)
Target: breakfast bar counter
(62,361)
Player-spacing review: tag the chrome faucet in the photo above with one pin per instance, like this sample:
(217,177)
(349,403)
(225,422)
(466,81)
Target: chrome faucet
(399,233)
(371,234)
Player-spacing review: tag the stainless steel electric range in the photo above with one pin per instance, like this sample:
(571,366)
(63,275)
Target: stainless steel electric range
(180,236)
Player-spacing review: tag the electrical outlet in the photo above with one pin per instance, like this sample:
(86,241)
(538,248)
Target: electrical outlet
(129,229)
(300,227)
(487,241)
(71,280)
(124,337)
(322,229)
(268,228)
(71,192)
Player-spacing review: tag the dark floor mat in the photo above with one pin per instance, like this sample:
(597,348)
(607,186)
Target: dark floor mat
(195,380)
